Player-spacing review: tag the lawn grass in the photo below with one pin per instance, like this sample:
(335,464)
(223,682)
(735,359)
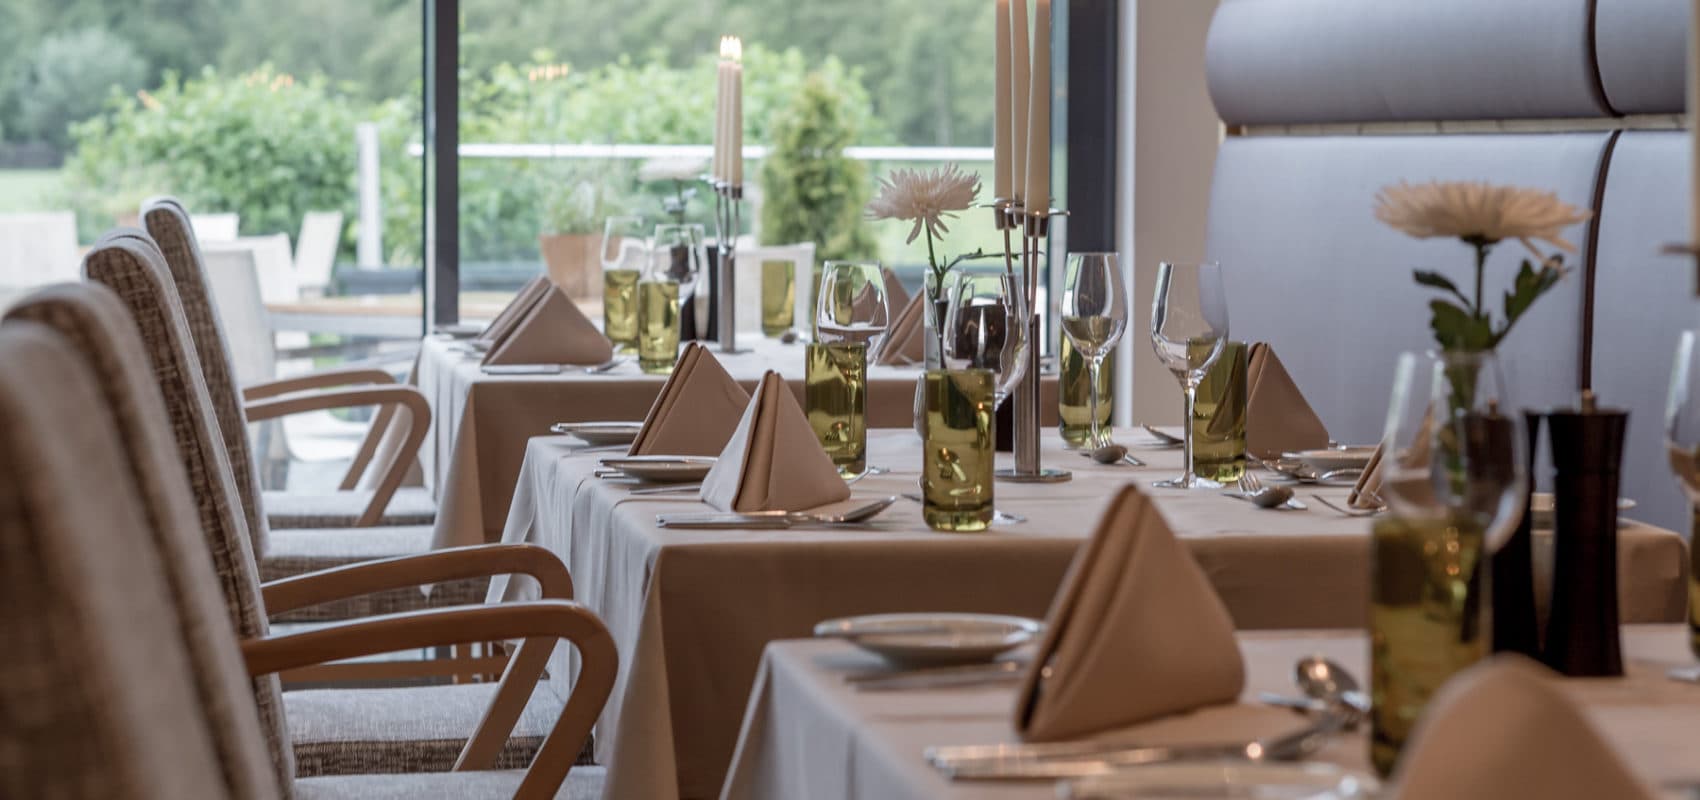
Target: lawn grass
(29,189)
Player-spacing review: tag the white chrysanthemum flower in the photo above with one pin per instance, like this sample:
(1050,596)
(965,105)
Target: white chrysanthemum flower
(924,197)
(1477,210)
(670,169)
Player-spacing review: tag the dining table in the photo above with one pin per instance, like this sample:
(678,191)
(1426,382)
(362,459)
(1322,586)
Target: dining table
(480,422)
(810,733)
(691,610)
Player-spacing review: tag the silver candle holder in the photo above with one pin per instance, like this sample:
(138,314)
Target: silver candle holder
(728,220)
(1032,229)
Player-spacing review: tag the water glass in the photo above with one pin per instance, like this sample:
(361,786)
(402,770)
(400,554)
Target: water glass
(835,395)
(658,324)
(625,256)
(778,296)
(957,449)
(1454,476)
(1189,323)
(1218,421)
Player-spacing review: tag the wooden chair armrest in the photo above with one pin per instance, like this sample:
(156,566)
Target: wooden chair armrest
(386,397)
(542,620)
(437,566)
(317,380)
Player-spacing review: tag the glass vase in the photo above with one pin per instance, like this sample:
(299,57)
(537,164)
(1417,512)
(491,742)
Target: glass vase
(835,391)
(957,454)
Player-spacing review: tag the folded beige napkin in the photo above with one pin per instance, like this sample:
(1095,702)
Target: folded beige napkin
(1277,417)
(773,461)
(1366,493)
(697,410)
(552,331)
(516,308)
(895,295)
(1505,728)
(906,339)
(1136,632)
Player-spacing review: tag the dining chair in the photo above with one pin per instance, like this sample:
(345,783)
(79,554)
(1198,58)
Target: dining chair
(330,731)
(92,586)
(37,248)
(370,492)
(315,251)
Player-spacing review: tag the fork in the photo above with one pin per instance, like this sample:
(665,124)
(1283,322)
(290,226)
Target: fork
(1350,512)
(1249,482)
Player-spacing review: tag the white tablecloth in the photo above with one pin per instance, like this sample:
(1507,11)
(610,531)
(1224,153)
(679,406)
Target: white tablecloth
(690,611)
(808,734)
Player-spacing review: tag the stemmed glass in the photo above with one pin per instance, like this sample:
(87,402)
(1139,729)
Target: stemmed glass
(625,258)
(1454,476)
(852,305)
(1682,448)
(678,256)
(624,243)
(984,329)
(1189,324)
(1094,315)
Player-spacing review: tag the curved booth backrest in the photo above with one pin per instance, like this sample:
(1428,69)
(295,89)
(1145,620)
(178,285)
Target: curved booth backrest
(1319,61)
(1311,270)
(1641,47)
(1642,302)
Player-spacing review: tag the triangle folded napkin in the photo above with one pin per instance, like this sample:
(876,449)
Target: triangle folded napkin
(1366,493)
(895,295)
(1505,728)
(551,331)
(504,322)
(906,342)
(697,410)
(1277,417)
(773,462)
(1136,632)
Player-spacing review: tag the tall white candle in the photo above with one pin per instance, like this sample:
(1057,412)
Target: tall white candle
(736,152)
(1038,189)
(719,167)
(1019,66)
(1001,124)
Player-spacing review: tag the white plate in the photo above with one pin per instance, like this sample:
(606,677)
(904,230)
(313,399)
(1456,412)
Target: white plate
(663,469)
(917,640)
(1329,459)
(1312,781)
(1542,505)
(599,433)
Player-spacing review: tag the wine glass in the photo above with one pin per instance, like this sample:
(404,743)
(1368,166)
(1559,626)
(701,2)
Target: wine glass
(1682,448)
(984,329)
(1189,324)
(852,305)
(1094,315)
(677,255)
(625,244)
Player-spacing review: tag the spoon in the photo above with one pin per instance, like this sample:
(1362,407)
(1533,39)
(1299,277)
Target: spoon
(1114,454)
(1253,491)
(1324,679)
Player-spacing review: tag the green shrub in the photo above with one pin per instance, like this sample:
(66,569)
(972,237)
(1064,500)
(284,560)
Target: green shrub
(812,192)
(68,78)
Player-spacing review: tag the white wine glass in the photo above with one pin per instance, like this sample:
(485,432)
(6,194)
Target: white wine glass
(1094,315)
(852,306)
(677,255)
(1682,449)
(625,243)
(983,329)
(1189,325)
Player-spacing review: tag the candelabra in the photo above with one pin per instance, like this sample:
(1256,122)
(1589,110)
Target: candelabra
(728,219)
(1033,229)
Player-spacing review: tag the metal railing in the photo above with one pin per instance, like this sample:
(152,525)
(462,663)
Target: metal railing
(703,151)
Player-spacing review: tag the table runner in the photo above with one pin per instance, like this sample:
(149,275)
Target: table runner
(690,611)
(808,734)
(480,423)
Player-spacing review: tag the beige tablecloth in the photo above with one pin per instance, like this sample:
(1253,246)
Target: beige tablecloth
(690,611)
(480,423)
(808,734)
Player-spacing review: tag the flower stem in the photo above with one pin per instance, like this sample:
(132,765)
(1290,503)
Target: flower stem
(1481,267)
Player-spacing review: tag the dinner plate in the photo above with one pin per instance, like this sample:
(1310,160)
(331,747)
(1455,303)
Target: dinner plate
(932,640)
(459,330)
(663,469)
(1306,781)
(1328,459)
(1542,506)
(599,433)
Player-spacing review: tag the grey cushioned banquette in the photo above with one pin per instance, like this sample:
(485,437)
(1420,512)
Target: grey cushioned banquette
(1642,50)
(1303,61)
(1642,302)
(1311,271)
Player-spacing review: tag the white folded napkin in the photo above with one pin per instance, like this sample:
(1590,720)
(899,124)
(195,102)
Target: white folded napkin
(895,295)
(1505,728)
(1136,632)
(773,461)
(516,308)
(697,410)
(1278,419)
(906,339)
(552,331)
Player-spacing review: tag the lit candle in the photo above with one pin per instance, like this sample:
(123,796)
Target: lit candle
(736,152)
(1019,99)
(1000,121)
(1038,189)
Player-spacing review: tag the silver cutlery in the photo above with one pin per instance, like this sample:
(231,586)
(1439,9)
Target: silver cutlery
(1350,512)
(598,369)
(1301,473)
(1164,437)
(672,488)
(1253,491)
(1112,453)
(775,519)
(939,677)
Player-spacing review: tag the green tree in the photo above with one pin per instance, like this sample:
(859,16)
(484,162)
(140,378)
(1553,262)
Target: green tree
(812,192)
(68,79)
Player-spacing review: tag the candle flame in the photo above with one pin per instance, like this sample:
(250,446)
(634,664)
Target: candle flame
(732,48)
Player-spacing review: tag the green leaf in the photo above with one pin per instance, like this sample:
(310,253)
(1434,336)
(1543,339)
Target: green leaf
(1457,329)
(1434,279)
(1526,288)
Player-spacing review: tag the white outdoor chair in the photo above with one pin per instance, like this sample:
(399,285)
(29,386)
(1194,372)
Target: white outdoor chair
(749,281)
(315,251)
(216,227)
(37,248)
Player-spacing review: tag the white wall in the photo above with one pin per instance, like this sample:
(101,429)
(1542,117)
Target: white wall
(1170,133)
